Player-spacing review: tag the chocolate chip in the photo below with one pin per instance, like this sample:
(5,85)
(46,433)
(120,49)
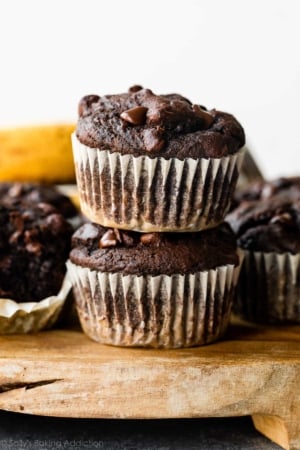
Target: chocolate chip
(31,240)
(135,88)
(135,116)
(17,221)
(46,208)
(87,232)
(86,103)
(205,115)
(28,215)
(57,223)
(150,238)
(34,247)
(118,234)
(16,190)
(109,239)
(15,237)
(284,218)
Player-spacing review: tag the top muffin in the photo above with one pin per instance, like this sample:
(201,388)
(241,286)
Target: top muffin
(155,163)
(140,122)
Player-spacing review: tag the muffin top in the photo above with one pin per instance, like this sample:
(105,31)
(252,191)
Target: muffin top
(14,193)
(34,246)
(284,187)
(141,123)
(268,225)
(129,252)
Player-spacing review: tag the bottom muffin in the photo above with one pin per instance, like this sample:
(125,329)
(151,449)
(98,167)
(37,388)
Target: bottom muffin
(166,290)
(268,231)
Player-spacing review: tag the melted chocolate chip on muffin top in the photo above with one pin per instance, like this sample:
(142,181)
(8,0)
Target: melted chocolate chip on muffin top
(140,122)
(129,252)
(34,246)
(269,225)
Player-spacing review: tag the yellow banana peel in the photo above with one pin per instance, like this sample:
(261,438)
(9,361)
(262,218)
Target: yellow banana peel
(39,153)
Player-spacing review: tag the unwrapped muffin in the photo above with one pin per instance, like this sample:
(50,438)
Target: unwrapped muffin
(163,290)
(268,231)
(151,163)
(34,246)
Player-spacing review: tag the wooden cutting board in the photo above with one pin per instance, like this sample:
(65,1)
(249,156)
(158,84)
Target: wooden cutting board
(254,371)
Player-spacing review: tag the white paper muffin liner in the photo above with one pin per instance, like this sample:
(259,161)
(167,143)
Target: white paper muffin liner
(30,317)
(154,194)
(269,288)
(154,311)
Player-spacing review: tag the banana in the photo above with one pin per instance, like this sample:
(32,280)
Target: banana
(39,153)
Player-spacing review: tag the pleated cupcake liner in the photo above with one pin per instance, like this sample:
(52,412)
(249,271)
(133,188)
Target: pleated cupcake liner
(154,311)
(269,288)
(31,317)
(154,194)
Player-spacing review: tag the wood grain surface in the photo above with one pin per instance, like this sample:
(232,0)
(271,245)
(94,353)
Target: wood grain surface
(254,371)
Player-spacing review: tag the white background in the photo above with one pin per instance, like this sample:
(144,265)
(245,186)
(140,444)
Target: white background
(240,56)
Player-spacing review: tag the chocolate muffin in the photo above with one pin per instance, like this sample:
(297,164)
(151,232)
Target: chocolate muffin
(150,162)
(164,290)
(34,246)
(268,231)
(14,193)
(284,187)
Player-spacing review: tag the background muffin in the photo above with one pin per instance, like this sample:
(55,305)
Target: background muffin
(14,193)
(154,289)
(34,247)
(287,188)
(268,231)
(155,163)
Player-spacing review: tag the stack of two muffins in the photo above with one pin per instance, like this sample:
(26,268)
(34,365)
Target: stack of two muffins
(156,266)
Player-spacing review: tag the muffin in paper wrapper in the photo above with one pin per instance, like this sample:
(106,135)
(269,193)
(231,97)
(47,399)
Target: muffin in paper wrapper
(31,317)
(154,194)
(269,288)
(154,311)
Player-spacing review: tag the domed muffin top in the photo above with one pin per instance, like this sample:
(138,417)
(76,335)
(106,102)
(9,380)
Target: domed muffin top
(140,122)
